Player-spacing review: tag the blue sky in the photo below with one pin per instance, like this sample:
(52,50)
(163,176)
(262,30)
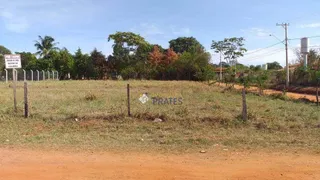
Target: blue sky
(87,23)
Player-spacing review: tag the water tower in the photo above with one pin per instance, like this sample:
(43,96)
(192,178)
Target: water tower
(264,67)
(305,50)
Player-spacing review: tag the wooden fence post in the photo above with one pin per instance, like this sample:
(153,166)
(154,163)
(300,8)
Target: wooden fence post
(317,96)
(244,105)
(128,96)
(26,105)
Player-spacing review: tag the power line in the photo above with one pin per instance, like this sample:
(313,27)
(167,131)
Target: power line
(263,48)
(263,55)
(266,55)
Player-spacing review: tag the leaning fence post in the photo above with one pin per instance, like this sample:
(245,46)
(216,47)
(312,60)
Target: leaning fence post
(128,96)
(26,105)
(24,75)
(44,75)
(31,75)
(6,76)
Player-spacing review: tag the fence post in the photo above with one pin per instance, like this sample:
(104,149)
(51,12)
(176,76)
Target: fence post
(6,76)
(244,105)
(44,75)
(14,89)
(128,96)
(24,75)
(26,105)
(48,75)
(31,75)
(57,75)
(52,75)
(38,73)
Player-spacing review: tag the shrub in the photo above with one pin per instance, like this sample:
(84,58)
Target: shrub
(128,73)
(90,97)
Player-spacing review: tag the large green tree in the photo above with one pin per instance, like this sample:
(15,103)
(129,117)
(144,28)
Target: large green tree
(186,44)
(219,47)
(129,51)
(63,62)
(99,63)
(274,66)
(314,59)
(27,59)
(45,46)
(190,64)
(84,68)
(234,49)
(3,51)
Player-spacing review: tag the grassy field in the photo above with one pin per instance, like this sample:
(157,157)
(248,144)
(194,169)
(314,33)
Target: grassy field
(92,115)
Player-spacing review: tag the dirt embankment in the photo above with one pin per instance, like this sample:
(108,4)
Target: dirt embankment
(297,89)
(51,165)
(293,95)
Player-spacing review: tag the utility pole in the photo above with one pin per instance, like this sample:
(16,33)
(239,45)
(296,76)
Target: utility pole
(285,26)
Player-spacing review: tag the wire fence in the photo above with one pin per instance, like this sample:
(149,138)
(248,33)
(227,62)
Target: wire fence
(28,75)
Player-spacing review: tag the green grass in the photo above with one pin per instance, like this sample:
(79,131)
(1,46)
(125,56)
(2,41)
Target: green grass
(208,116)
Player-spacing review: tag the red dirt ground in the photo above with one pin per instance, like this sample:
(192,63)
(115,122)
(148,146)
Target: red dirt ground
(270,91)
(52,165)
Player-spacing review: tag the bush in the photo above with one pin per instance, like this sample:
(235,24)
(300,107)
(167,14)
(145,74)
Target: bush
(90,97)
(302,76)
(206,74)
(128,73)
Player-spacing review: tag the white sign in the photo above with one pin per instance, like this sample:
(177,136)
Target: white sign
(13,61)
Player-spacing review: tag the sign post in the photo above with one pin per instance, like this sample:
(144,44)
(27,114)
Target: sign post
(14,90)
(13,61)
(6,76)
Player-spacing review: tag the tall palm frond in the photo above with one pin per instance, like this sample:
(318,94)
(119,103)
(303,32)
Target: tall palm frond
(45,45)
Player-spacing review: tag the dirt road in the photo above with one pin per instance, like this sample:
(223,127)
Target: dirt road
(33,165)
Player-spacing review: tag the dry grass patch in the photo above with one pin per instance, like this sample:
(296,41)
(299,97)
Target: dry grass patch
(92,114)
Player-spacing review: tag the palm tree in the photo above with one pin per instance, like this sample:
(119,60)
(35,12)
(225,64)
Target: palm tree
(45,46)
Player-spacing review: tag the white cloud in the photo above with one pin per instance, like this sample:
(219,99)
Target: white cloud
(259,32)
(180,31)
(312,25)
(20,15)
(13,23)
(147,29)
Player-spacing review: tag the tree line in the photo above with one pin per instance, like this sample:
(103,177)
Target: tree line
(132,58)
